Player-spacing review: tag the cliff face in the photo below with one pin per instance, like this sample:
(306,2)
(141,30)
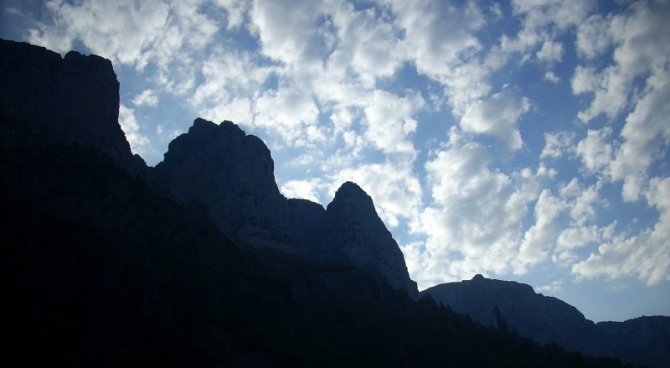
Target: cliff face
(355,233)
(232,175)
(46,99)
(644,341)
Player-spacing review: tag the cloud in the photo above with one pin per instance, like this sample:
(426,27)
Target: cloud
(367,42)
(593,36)
(646,134)
(306,189)
(552,287)
(389,121)
(146,98)
(440,39)
(118,30)
(236,10)
(557,144)
(541,22)
(551,77)
(465,233)
(595,149)
(139,143)
(497,116)
(539,238)
(288,112)
(551,52)
(645,256)
(289,38)
(638,35)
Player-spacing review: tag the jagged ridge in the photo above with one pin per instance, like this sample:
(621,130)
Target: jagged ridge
(232,175)
(106,270)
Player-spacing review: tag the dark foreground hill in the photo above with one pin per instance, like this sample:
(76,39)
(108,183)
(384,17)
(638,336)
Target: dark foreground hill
(105,268)
(548,320)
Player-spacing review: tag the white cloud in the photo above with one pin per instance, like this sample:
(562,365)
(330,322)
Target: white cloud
(290,113)
(146,98)
(645,256)
(595,149)
(119,30)
(389,121)
(306,189)
(440,40)
(638,34)
(541,22)
(236,10)
(465,233)
(367,43)
(551,52)
(498,116)
(286,29)
(584,80)
(540,238)
(646,135)
(139,143)
(550,76)
(231,80)
(552,287)
(593,36)
(576,237)
(557,144)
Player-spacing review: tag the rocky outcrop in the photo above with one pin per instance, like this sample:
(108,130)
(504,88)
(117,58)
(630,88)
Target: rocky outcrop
(644,341)
(355,233)
(232,175)
(46,99)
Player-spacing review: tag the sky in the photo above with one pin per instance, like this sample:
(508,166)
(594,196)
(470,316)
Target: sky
(522,140)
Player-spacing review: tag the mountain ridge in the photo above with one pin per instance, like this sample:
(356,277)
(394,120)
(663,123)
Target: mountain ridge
(549,320)
(232,175)
(107,269)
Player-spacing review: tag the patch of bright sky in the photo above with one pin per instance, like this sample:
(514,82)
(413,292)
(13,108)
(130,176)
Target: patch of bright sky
(476,142)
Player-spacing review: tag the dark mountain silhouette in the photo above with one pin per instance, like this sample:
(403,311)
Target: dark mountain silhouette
(105,268)
(232,175)
(46,99)
(547,320)
(355,233)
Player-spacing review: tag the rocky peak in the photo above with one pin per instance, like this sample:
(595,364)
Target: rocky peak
(232,174)
(356,204)
(46,99)
(356,234)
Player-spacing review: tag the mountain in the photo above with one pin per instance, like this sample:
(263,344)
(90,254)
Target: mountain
(104,268)
(644,341)
(358,236)
(73,100)
(232,175)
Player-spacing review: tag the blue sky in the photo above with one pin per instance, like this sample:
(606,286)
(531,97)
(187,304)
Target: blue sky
(524,140)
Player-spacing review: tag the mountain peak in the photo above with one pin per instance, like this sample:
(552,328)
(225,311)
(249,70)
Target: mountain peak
(478,277)
(352,198)
(357,232)
(232,173)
